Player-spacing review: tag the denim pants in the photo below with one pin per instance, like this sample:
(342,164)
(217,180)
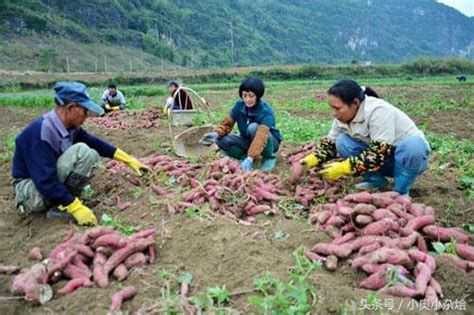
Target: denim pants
(237,146)
(74,169)
(408,159)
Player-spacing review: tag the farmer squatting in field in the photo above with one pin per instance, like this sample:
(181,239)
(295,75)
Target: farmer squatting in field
(255,119)
(54,156)
(112,99)
(374,138)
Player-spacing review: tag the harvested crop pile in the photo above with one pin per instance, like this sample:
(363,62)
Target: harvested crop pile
(232,192)
(388,237)
(122,120)
(86,260)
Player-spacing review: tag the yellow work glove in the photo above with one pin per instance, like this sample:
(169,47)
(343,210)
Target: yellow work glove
(310,161)
(132,162)
(81,213)
(114,107)
(107,106)
(335,170)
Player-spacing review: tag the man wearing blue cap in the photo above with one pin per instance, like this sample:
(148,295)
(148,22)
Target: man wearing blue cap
(54,156)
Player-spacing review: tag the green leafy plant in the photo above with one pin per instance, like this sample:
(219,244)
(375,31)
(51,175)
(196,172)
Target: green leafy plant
(468,227)
(296,296)
(107,220)
(445,248)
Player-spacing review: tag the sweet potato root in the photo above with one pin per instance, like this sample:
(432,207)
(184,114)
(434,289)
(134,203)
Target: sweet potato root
(9,269)
(378,228)
(74,284)
(297,170)
(340,251)
(375,281)
(135,260)
(465,251)
(120,255)
(121,296)
(392,256)
(331,263)
(35,254)
(363,197)
(100,277)
(445,234)
(364,219)
(120,272)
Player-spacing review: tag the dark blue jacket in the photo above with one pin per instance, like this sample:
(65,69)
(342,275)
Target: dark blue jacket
(261,114)
(36,159)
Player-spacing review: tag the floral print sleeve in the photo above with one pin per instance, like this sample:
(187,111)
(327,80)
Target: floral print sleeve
(372,159)
(326,150)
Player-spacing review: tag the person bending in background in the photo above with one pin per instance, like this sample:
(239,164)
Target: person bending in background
(179,99)
(374,138)
(54,157)
(112,99)
(258,138)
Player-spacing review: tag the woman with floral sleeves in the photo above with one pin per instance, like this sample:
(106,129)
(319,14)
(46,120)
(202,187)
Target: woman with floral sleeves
(374,138)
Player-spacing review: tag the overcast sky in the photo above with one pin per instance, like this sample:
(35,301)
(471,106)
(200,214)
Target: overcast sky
(465,6)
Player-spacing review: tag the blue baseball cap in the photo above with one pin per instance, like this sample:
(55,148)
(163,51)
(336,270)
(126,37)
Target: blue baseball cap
(75,92)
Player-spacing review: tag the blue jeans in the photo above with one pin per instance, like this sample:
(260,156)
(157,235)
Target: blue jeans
(238,145)
(408,159)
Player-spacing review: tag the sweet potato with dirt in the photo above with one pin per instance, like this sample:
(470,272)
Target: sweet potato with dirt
(465,251)
(381,201)
(442,234)
(369,248)
(297,170)
(120,255)
(380,214)
(74,272)
(431,298)
(9,269)
(35,254)
(135,260)
(120,272)
(121,296)
(401,290)
(375,281)
(362,197)
(335,220)
(417,209)
(372,268)
(324,216)
(30,282)
(345,238)
(313,256)
(331,263)
(340,251)
(363,219)
(435,285)
(417,223)
(112,240)
(74,284)
(378,228)
(265,194)
(100,277)
(392,256)
(398,210)
(423,277)
(258,209)
(363,208)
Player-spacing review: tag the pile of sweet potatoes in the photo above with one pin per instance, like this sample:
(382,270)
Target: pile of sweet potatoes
(386,234)
(87,259)
(122,120)
(233,193)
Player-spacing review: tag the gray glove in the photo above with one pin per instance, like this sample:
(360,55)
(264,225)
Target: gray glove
(209,138)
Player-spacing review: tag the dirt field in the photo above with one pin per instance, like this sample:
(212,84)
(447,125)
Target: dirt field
(216,252)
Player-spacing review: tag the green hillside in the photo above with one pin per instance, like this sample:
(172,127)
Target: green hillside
(159,34)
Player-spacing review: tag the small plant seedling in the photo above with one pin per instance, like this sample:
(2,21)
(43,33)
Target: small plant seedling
(87,192)
(107,220)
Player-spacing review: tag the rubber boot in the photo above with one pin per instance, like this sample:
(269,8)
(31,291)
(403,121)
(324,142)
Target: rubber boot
(268,156)
(404,180)
(373,180)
